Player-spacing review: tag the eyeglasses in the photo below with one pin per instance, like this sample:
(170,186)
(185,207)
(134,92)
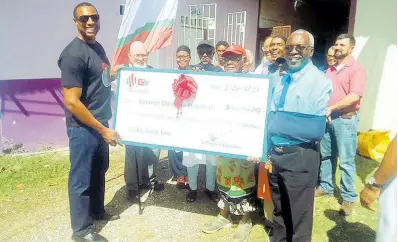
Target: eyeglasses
(298,48)
(137,56)
(183,56)
(208,53)
(233,59)
(85,18)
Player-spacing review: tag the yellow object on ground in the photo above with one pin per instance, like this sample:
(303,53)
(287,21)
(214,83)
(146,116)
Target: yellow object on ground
(373,144)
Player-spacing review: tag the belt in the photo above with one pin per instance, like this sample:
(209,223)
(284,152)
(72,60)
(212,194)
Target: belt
(295,148)
(347,115)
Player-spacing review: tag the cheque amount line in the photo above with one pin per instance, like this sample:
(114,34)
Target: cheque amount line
(201,121)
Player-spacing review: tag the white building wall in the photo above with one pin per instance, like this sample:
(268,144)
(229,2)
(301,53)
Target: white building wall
(375,29)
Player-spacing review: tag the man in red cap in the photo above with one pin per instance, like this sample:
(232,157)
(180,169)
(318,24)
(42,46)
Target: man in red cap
(234,58)
(235,177)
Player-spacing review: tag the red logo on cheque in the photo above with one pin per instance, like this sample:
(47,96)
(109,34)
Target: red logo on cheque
(185,89)
(134,81)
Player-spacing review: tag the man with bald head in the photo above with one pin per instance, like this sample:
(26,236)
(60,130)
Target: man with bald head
(138,55)
(296,124)
(248,62)
(263,67)
(147,158)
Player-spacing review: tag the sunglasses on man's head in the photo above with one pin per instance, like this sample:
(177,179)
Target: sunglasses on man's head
(85,18)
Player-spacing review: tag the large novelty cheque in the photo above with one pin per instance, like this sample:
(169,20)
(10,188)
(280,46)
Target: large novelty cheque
(220,114)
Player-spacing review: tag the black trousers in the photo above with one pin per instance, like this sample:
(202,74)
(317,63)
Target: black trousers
(292,182)
(145,157)
(89,161)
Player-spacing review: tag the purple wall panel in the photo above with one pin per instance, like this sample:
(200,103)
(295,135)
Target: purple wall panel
(33,113)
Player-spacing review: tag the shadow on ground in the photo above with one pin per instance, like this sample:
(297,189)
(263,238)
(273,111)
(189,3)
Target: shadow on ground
(170,197)
(347,231)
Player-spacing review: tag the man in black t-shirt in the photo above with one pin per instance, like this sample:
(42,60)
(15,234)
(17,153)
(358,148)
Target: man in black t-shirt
(86,84)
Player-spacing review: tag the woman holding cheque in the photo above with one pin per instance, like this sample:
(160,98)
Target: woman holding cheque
(235,177)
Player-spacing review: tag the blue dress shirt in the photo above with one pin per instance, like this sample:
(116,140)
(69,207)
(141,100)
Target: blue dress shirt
(300,115)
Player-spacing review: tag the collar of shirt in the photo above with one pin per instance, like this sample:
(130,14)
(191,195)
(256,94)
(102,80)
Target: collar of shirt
(346,65)
(334,68)
(308,92)
(350,62)
(298,74)
(136,66)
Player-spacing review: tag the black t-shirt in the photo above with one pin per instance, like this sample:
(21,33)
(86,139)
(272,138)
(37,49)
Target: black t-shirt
(209,67)
(81,66)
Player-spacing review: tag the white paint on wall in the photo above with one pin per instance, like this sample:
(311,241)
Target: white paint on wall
(360,44)
(385,116)
(375,29)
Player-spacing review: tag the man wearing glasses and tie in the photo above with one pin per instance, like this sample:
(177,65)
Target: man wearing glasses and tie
(296,124)
(86,84)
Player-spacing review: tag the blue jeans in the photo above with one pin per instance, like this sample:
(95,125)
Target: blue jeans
(175,163)
(89,161)
(340,141)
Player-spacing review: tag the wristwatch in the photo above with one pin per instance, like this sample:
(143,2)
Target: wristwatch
(372,182)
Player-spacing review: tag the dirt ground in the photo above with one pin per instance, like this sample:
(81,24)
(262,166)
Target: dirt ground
(166,215)
(41,213)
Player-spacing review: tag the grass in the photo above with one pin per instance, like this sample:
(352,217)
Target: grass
(360,226)
(25,178)
(32,172)
(28,183)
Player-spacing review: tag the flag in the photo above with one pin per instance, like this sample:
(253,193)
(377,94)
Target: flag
(148,21)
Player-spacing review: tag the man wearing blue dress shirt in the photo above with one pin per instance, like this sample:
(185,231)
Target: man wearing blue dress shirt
(297,122)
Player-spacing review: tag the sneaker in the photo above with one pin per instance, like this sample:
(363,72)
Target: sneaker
(215,225)
(319,193)
(244,230)
(346,208)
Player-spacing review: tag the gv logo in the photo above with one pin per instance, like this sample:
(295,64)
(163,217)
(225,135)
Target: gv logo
(134,81)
